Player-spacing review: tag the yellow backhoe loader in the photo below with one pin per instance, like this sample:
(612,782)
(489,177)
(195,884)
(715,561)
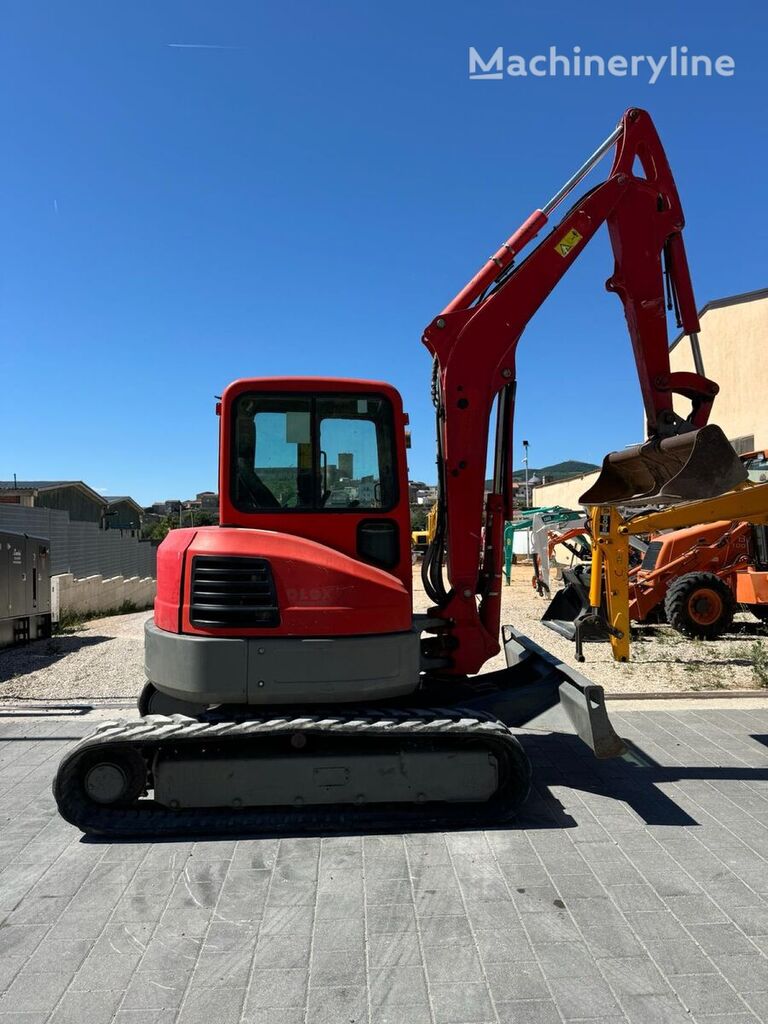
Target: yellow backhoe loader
(611,530)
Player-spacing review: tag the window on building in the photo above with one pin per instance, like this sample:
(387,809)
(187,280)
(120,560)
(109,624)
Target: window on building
(742,445)
(757,469)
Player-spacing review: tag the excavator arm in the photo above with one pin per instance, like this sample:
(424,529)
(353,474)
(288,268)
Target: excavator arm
(473,343)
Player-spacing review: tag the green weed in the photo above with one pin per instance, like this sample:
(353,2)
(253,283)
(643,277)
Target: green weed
(72,622)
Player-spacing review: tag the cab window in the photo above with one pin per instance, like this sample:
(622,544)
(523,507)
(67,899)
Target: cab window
(355,453)
(326,452)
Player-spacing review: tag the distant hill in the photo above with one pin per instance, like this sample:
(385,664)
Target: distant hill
(571,467)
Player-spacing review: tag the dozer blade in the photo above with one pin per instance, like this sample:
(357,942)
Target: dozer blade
(538,691)
(688,467)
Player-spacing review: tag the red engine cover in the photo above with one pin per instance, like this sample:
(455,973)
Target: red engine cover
(320,591)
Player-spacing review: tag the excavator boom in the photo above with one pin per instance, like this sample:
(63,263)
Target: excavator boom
(473,343)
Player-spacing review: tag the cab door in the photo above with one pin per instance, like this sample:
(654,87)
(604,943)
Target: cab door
(323,460)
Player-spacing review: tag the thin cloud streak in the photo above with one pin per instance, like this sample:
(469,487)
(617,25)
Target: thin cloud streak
(201,46)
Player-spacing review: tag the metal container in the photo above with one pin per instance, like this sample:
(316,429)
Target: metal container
(25,588)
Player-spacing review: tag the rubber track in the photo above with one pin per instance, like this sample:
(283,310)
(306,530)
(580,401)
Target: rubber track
(145,818)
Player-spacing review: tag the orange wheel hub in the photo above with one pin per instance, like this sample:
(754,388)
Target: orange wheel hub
(705,606)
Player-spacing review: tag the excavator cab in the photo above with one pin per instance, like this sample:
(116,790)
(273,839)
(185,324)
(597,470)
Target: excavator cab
(302,593)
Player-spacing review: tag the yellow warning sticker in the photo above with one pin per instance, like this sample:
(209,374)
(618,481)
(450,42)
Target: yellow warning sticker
(567,242)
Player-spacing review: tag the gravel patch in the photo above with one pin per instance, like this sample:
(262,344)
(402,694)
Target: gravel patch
(105,659)
(661,659)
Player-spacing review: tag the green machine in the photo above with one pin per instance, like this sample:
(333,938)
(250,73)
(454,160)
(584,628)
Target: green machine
(550,515)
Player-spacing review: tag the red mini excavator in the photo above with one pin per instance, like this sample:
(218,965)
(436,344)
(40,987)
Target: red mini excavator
(290,684)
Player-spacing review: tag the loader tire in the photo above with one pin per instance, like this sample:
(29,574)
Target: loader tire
(699,605)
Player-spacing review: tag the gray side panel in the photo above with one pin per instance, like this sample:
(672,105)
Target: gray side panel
(196,668)
(5,577)
(41,562)
(292,671)
(399,776)
(282,670)
(18,601)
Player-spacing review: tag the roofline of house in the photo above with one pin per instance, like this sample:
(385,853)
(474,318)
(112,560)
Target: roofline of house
(81,485)
(125,498)
(57,485)
(727,300)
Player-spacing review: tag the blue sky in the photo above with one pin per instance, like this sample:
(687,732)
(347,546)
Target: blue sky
(306,198)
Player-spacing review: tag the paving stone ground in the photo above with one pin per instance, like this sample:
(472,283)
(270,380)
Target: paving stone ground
(633,890)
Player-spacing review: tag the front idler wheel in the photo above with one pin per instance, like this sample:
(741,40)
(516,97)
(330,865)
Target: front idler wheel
(116,779)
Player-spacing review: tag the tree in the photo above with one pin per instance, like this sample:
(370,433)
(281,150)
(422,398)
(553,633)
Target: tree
(419,518)
(158,530)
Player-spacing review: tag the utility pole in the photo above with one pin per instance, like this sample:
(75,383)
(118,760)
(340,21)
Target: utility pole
(527,497)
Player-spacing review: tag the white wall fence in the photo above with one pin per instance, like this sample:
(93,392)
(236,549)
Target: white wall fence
(97,594)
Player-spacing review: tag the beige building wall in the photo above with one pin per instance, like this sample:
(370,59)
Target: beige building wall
(563,492)
(734,346)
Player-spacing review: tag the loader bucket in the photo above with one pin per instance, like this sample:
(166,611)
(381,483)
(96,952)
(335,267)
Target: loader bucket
(571,604)
(688,467)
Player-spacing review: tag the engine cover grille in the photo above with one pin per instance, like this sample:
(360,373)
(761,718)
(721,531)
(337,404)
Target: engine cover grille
(233,592)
